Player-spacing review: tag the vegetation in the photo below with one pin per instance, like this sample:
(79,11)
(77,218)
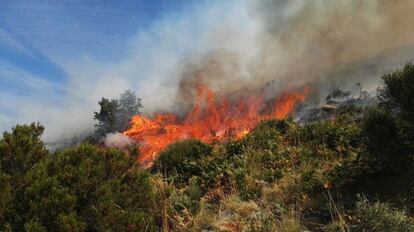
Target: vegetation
(349,172)
(86,188)
(115,114)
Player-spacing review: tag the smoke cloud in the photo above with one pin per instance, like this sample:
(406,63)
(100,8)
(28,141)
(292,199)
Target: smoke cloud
(118,140)
(318,43)
(237,46)
(315,40)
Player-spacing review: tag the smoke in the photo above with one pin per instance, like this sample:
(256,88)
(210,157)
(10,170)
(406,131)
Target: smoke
(237,46)
(324,44)
(277,44)
(117,140)
(317,40)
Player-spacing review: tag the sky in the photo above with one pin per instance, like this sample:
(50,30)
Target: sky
(58,58)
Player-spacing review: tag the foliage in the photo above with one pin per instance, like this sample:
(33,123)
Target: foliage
(383,138)
(129,105)
(79,189)
(21,149)
(398,91)
(181,158)
(115,114)
(111,190)
(397,96)
(380,217)
(107,116)
(20,152)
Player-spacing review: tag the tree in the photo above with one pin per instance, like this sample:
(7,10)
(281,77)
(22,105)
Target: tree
(397,95)
(107,116)
(115,114)
(398,91)
(20,151)
(129,105)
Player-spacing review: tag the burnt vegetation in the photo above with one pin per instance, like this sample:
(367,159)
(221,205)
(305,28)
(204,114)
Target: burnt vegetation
(348,169)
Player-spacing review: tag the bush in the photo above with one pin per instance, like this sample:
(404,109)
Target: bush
(265,136)
(21,149)
(380,217)
(398,91)
(180,159)
(84,188)
(112,192)
(384,142)
(338,137)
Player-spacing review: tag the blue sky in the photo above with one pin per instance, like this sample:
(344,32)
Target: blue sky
(37,38)
(36,35)
(57,58)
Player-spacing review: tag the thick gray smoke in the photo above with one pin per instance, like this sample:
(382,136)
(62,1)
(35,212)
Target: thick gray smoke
(297,43)
(313,40)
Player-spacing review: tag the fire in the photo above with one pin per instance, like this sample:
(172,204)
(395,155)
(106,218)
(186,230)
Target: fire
(211,119)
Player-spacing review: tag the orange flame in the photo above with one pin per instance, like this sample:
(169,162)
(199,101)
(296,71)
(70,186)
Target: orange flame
(210,119)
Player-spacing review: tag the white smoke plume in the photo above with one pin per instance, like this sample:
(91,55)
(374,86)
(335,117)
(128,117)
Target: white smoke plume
(118,140)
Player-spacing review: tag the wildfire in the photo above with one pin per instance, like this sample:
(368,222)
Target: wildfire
(210,119)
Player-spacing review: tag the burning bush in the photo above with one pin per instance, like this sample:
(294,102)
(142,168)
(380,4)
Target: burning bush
(211,118)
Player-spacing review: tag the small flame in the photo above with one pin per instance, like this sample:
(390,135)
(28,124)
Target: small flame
(210,119)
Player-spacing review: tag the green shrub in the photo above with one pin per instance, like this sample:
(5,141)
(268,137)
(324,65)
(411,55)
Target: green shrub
(397,96)
(330,139)
(234,148)
(265,165)
(112,192)
(311,181)
(180,159)
(379,217)
(84,188)
(265,136)
(398,91)
(21,149)
(382,133)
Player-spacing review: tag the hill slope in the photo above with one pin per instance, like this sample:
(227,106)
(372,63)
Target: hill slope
(350,170)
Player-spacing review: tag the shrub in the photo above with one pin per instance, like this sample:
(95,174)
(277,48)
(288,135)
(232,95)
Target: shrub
(378,217)
(265,165)
(397,95)
(398,91)
(337,137)
(21,149)
(383,139)
(112,192)
(265,136)
(83,188)
(180,159)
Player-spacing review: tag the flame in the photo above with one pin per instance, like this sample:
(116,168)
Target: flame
(211,119)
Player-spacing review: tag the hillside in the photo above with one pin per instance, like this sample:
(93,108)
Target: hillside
(350,169)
